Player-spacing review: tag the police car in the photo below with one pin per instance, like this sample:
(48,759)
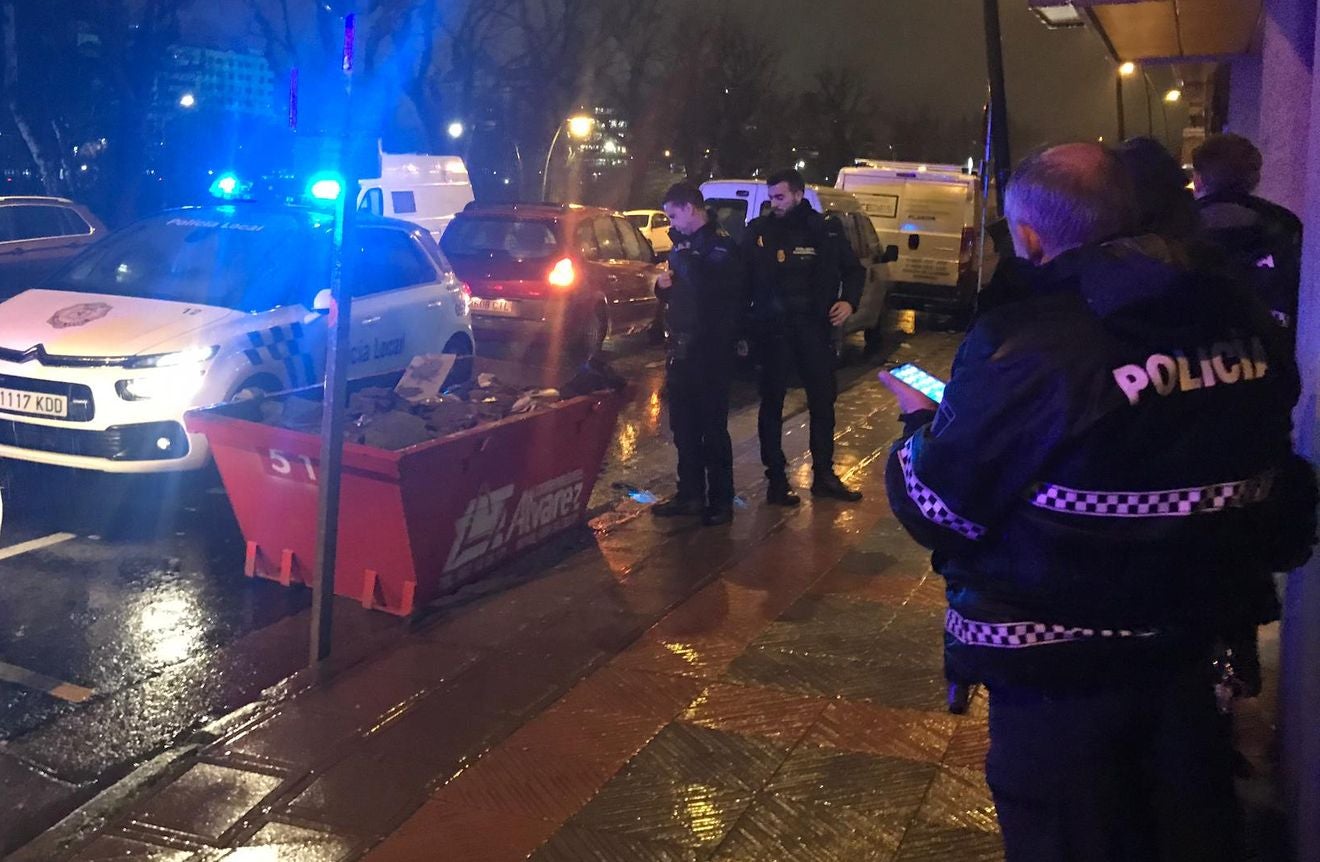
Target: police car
(202,305)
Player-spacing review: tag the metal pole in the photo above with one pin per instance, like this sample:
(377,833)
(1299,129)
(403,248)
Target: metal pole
(1150,112)
(545,176)
(336,379)
(1122,119)
(994,58)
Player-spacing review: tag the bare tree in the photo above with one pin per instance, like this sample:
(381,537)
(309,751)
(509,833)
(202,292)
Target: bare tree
(46,158)
(838,118)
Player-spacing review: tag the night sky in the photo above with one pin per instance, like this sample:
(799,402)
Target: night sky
(924,53)
(1060,82)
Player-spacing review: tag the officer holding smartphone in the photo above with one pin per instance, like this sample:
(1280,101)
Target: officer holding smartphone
(1105,487)
(704,294)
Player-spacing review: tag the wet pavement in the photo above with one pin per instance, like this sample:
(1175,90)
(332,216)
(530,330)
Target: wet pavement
(766,691)
(126,624)
(651,690)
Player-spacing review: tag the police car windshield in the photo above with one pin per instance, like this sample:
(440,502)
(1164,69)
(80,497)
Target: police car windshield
(214,258)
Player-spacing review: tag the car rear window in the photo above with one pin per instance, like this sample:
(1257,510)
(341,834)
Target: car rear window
(499,238)
(642,221)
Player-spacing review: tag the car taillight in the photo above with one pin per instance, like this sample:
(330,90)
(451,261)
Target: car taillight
(563,274)
(968,247)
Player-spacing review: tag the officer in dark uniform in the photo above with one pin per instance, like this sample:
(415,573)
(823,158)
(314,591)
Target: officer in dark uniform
(704,290)
(1105,487)
(796,274)
(1262,239)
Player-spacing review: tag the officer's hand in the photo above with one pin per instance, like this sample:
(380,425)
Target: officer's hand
(664,280)
(743,350)
(910,400)
(839,312)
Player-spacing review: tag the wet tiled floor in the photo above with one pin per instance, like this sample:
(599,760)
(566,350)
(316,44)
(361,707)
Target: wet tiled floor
(764,693)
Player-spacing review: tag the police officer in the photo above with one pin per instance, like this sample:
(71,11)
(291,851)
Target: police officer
(704,290)
(796,273)
(1263,239)
(1105,487)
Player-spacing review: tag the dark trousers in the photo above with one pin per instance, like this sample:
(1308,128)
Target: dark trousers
(699,419)
(804,345)
(1132,775)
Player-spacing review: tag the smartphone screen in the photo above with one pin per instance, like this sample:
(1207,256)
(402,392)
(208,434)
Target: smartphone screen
(927,384)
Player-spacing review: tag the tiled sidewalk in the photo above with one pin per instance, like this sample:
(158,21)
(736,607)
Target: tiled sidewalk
(791,710)
(769,691)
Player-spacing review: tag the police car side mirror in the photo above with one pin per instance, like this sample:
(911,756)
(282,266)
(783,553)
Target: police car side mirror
(889,255)
(324,299)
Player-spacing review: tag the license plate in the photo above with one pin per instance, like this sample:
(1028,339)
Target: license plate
(494,306)
(34,403)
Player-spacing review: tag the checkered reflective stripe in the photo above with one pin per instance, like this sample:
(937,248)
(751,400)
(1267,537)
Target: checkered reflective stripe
(1152,504)
(930,503)
(283,344)
(1020,635)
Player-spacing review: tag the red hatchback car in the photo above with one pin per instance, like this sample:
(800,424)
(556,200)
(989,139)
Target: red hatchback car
(563,274)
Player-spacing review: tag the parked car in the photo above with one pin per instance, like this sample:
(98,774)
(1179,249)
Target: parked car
(202,305)
(737,202)
(654,225)
(37,235)
(562,274)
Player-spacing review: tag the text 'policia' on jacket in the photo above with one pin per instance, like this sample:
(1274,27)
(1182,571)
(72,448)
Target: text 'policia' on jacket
(1109,480)
(705,305)
(794,265)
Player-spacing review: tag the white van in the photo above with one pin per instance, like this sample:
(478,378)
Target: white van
(932,213)
(737,202)
(425,190)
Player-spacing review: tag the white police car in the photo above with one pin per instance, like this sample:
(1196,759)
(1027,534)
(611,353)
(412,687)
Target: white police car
(202,305)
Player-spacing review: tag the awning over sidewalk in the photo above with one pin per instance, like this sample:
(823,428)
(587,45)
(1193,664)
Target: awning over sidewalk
(1173,30)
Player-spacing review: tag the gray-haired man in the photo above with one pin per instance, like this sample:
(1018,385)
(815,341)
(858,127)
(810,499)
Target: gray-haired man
(1106,486)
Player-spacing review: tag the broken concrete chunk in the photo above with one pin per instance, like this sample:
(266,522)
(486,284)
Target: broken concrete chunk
(395,430)
(424,377)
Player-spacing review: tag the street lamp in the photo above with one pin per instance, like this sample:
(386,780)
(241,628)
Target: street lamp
(455,130)
(1125,70)
(1173,95)
(580,127)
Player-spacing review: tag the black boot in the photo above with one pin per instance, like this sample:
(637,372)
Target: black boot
(780,494)
(714,516)
(829,485)
(677,507)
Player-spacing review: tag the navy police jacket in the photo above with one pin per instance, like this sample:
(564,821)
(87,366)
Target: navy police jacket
(1110,478)
(794,266)
(705,306)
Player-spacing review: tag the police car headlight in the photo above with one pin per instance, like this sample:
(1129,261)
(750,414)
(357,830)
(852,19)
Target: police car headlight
(179,384)
(178,358)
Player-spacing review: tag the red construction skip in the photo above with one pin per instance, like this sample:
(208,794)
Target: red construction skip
(419,522)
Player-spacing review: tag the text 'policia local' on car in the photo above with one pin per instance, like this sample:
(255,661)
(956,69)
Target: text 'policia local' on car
(202,305)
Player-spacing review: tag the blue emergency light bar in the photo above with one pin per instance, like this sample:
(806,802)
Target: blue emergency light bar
(322,188)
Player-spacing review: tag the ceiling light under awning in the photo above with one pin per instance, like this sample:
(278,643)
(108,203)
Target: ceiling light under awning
(1059,15)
